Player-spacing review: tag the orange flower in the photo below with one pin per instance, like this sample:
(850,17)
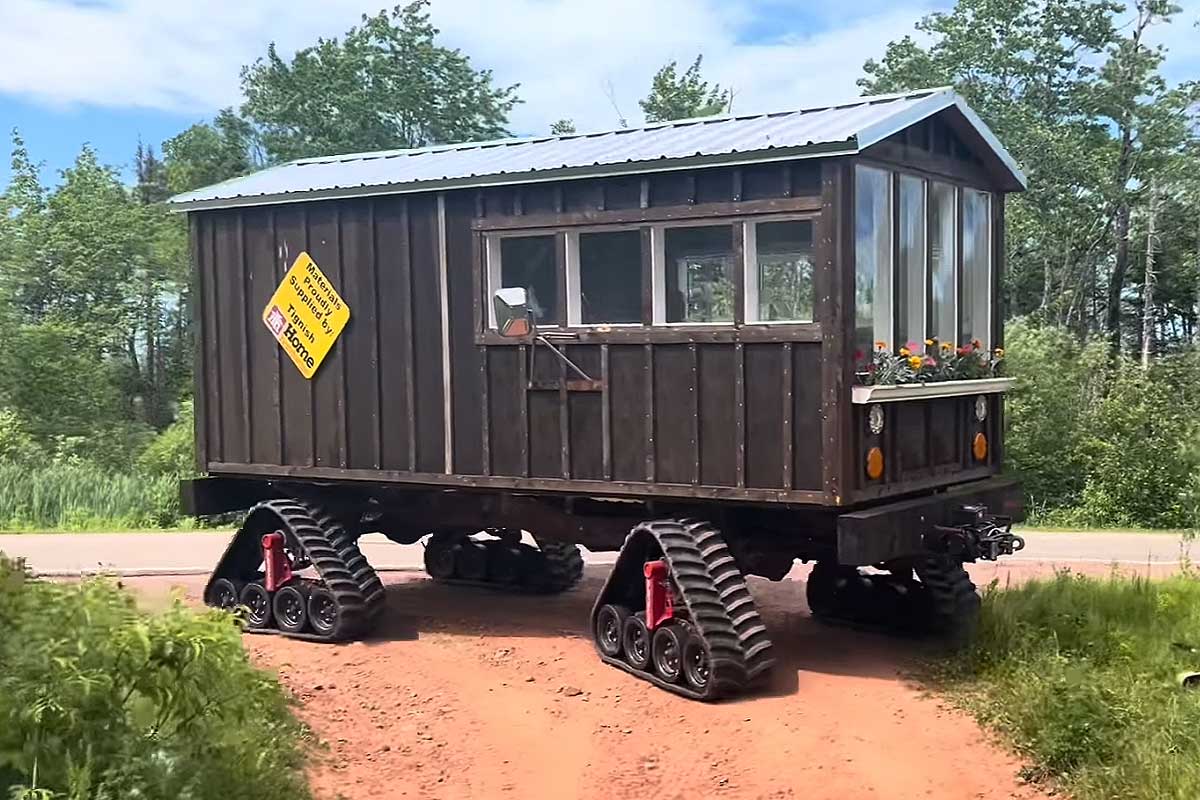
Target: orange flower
(881,345)
(915,362)
(947,347)
(904,351)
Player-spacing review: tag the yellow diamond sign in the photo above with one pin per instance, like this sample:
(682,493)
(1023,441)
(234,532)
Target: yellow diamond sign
(306,315)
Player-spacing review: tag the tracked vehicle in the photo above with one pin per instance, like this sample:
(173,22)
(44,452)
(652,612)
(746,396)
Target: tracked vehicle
(649,341)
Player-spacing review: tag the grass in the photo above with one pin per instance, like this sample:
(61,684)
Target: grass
(77,498)
(1081,674)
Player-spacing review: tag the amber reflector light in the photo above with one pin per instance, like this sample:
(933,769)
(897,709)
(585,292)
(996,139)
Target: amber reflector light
(874,463)
(979,447)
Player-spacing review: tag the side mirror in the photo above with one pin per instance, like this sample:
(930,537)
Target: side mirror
(514,318)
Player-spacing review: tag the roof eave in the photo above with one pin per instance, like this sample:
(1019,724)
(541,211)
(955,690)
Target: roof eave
(822,150)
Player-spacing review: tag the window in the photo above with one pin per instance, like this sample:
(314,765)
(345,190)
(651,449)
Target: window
(943,261)
(609,278)
(779,276)
(699,274)
(528,262)
(977,267)
(910,264)
(873,258)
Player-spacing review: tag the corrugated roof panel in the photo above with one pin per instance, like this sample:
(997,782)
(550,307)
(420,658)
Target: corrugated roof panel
(848,127)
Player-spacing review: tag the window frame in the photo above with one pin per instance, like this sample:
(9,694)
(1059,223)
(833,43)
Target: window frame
(750,286)
(658,269)
(572,282)
(493,268)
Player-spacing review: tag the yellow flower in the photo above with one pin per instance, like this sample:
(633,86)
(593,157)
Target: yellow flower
(947,347)
(999,352)
(929,342)
(915,362)
(904,351)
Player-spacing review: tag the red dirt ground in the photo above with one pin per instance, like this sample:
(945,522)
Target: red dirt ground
(467,693)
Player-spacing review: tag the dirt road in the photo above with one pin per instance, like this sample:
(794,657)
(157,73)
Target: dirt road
(471,694)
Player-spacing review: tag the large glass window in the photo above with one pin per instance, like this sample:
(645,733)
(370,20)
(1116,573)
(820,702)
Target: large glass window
(943,261)
(699,274)
(610,278)
(873,258)
(910,266)
(530,263)
(977,267)
(779,278)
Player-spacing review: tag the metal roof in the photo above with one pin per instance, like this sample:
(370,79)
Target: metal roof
(842,129)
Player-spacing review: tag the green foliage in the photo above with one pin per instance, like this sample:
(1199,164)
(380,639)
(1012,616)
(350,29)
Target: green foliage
(387,84)
(172,452)
(1081,673)
(68,497)
(100,700)
(1098,441)
(17,444)
(209,153)
(562,127)
(675,96)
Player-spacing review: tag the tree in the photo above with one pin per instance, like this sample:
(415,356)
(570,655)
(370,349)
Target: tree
(208,153)
(563,127)
(151,176)
(387,84)
(674,96)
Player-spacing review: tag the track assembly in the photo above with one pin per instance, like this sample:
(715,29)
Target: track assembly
(676,612)
(259,573)
(503,563)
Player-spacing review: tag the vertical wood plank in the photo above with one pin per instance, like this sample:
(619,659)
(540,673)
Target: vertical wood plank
(244,344)
(485,380)
(558,198)
(373,265)
(199,333)
(690,183)
(343,437)
(523,387)
(644,193)
(410,392)
(605,416)
(564,419)
(648,366)
(308,384)
(277,365)
(647,275)
(444,307)
(518,202)
(739,273)
(694,392)
(213,340)
(739,412)
(787,180)
(736,180)
(788,406)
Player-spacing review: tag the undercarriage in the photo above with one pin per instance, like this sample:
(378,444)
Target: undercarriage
(675,609)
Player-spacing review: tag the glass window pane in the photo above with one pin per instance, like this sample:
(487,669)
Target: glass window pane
(943,251)
(699,279)
(872,258)
(610,277)
(785,271)
(529,262)
(910,269)
(977,267)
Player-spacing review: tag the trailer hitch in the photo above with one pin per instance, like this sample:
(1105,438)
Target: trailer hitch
(981,536)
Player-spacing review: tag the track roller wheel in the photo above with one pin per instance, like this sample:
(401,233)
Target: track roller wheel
(667,649)
(636,642)
(291,609)
(322,611)
(610,629)
(440,557)
(471,561)
(695,663)
(257,600)
(223,594)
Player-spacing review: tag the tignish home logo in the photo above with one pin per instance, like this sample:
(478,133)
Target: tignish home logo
(306,315)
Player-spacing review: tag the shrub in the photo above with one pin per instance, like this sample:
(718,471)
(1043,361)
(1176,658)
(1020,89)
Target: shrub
(100,700)
(1081,673)
(172,452)
(83,497)
(17,444)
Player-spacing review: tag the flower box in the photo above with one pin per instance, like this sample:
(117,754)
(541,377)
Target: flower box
(891,393)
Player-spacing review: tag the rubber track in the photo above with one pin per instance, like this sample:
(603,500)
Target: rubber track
(714,593)
(561,566)
(334,556)
(954,601)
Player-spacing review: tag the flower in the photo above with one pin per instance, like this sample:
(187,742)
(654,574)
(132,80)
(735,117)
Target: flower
(999,352)
(858,356)
(947,347)
(930,342)
(881,345)
(911,345)
(929,362)
(904,351)
(870,367)
(915,362)
(976,344)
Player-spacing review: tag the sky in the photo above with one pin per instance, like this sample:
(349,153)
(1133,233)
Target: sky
(108,72)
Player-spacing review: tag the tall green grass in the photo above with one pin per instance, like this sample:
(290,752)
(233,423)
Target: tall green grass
(86,498)
(1081,674)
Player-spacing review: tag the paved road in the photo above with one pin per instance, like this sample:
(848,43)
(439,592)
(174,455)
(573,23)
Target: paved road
(195,553)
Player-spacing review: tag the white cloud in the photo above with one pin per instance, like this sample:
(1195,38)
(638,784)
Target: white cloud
(184,55)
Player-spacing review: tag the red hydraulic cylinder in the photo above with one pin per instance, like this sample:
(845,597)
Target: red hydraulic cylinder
(275,561)
(660,604)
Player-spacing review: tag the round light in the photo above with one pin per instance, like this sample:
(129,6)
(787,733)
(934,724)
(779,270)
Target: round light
(875,419)
(874,463)
(979,447)
(980,408)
